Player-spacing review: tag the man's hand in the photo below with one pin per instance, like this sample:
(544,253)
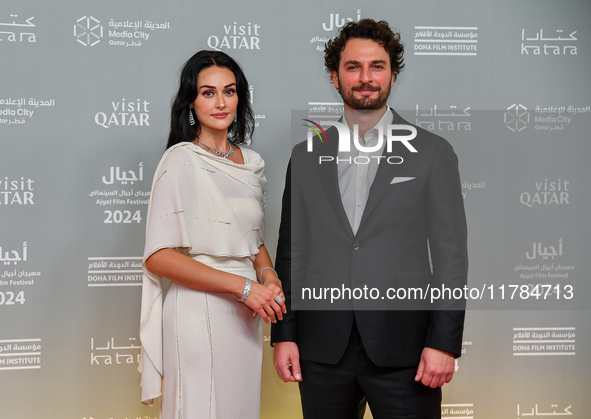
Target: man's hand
(286,359)
(436,367)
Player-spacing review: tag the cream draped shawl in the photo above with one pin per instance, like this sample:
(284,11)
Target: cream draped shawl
(190,208)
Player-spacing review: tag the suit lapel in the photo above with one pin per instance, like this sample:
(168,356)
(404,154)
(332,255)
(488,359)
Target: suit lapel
(386,172)
(330,179)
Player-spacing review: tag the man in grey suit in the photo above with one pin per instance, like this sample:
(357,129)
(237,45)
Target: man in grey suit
(373,217)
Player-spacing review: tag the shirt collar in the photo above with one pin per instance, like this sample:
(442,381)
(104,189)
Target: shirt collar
(385,120)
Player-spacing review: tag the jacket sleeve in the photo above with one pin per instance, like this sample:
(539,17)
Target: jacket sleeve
(447,234)
(285,330)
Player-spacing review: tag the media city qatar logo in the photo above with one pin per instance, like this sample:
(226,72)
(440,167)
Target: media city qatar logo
(516,117)
(345,141)
(88,31)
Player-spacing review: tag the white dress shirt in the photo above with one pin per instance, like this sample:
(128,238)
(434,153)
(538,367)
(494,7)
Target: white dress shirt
(357,171)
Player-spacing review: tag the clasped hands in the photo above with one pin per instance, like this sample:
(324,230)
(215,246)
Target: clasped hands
(263,298)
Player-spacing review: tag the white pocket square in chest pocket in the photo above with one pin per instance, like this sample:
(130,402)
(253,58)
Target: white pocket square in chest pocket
(401,179)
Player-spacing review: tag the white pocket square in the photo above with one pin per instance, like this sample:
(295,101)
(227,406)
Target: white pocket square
(401,179)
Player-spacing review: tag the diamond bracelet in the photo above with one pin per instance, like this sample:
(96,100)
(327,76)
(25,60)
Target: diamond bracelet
(246,291)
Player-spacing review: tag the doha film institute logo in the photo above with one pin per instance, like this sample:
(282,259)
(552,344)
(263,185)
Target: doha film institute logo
(88,31)
(516,117)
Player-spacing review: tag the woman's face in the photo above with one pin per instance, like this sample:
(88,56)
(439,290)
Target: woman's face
(217,98)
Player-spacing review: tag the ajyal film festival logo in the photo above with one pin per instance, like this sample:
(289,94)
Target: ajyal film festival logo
(88,31)
(344,145)
(516,117)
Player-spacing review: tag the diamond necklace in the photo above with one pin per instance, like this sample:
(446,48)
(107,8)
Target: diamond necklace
(224,154)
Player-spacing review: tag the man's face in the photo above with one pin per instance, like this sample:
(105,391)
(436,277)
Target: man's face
(365,77)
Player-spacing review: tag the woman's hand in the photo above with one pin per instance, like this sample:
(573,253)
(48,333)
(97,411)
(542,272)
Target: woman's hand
(270,279)
(262,300)
(274,284)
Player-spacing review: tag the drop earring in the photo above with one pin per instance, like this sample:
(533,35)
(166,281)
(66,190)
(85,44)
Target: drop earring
(191,118)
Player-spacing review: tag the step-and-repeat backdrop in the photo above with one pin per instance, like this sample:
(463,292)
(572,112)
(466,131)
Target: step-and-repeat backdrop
(85,91)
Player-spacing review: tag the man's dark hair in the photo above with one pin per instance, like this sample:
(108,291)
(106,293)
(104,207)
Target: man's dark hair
(365,29)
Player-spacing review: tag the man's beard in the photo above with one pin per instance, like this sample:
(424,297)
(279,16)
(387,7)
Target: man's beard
(365,103)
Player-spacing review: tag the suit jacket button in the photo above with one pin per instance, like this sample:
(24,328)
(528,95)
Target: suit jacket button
(355,246)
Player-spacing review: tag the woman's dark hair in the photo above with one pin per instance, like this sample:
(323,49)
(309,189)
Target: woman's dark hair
(180,129)
(365,29)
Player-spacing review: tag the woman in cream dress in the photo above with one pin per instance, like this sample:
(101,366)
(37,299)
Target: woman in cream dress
(202,342)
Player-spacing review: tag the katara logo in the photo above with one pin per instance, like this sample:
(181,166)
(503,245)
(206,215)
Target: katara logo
(88,31)
(516,117)
(345,141)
